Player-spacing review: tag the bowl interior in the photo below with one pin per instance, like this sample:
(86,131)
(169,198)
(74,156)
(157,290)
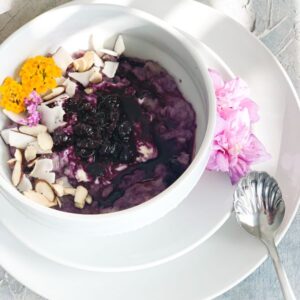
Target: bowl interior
(143,39)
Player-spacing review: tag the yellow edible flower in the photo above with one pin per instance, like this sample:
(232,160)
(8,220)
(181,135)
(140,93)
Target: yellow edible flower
(39,73)
(12,95)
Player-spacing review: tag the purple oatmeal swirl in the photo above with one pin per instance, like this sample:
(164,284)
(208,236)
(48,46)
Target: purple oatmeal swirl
(126,140)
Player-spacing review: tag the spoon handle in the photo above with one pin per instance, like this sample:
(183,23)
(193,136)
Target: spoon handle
(282,277)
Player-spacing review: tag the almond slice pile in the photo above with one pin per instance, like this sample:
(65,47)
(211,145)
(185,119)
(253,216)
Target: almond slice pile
(33,144)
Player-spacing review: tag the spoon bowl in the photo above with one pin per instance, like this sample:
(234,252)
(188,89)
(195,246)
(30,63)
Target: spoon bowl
(260,208)
(259,205)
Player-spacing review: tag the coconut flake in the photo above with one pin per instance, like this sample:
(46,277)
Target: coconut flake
(103,51)
(81,176)
(97,42)
(62,59)
(80,196)
(52,117)
(64,182)
(70,87)
(119,45)
(98,62)
(82,77)
(42,170)
(69,191)
(110,68)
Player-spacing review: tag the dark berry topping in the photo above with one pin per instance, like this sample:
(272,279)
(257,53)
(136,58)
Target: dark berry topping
(95,170)
(61,140)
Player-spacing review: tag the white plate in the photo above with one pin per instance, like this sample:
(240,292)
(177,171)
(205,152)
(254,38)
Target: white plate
(192,220)
(228,256)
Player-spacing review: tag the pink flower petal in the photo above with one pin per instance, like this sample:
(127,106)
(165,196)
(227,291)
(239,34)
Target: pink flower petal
(32,102)
(235,148)
(216,78)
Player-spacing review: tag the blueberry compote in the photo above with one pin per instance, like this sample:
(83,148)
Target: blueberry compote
(127,139)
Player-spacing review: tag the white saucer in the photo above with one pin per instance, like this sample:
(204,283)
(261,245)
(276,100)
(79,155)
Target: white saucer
(229,255)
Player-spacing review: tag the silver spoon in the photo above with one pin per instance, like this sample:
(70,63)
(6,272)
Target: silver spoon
(260,210)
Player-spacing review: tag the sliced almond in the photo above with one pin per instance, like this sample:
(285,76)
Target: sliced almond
(88,91)
(30,153)
(59,99)
(85,62)
(19,140)
(54,93)
(110,68)
(119,45)
(58,189)
(89,199)
(39,198)
(34,130)
(62,59)
(25,184)
(17,173)
(80,196)
(45,141)
(69,191)
(79,65)
(5,134)
(96,77)
(18,155)
(38,149)
(11,162)
(60,80)
(16,118)
(89,57)
(45,189)
(42,170)
(58,202)
(31,163)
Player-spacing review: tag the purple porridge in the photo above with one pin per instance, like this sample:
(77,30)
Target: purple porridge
(126,139)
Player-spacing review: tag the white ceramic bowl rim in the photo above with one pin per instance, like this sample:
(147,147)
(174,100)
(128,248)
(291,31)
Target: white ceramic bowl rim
(208,137)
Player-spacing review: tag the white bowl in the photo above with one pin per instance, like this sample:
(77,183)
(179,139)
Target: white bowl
(145,37)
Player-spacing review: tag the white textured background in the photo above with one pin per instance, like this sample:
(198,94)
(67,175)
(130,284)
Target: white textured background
(277,24)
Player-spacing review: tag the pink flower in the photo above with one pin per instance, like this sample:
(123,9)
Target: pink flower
(235,148)
(32,102)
